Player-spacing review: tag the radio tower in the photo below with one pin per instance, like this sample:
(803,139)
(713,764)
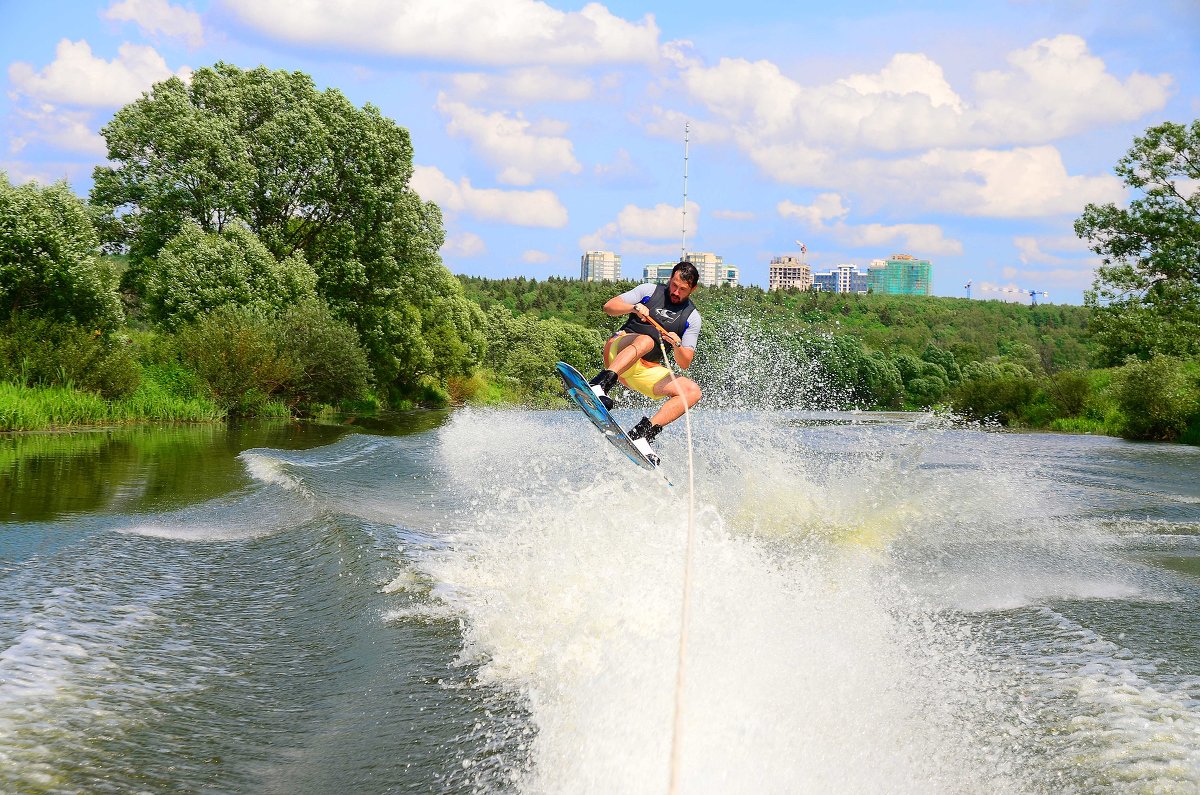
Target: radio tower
(683,246)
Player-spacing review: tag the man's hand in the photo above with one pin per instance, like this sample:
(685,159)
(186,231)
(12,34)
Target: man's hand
(641,311)
(672,338)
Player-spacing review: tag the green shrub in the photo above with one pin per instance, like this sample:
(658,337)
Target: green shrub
(1002,398)
(44,352)
(1157,397)
(235,350)
(330,364)
(1068,391)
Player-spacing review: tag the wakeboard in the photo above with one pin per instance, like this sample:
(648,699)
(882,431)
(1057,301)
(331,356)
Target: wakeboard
(581,395)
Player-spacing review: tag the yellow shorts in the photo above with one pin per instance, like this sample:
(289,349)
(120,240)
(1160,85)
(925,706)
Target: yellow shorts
(643,376)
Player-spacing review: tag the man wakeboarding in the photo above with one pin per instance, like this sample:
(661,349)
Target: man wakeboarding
(634,354)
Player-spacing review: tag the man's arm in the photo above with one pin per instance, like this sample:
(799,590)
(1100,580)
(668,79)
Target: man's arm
(630,301)
(618,306)
(685,348)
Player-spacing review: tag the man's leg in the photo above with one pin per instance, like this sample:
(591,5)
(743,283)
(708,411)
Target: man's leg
(620,354)
(680,391)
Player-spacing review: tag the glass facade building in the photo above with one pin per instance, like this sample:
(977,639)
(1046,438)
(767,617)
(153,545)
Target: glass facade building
(900,274)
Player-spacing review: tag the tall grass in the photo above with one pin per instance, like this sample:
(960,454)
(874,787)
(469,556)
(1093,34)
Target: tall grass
(35,408)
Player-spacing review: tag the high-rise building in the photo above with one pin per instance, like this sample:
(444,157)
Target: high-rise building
(659,273)
(713,270)
(600,266)
(900,274)
(842,279)
(788,272)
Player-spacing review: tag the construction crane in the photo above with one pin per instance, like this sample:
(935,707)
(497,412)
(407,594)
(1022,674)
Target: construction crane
(1033,294)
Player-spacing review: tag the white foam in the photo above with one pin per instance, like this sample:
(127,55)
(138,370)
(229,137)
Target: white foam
(806,671)
(268,469)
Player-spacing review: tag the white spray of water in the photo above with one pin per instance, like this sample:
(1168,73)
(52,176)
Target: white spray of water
(806,672)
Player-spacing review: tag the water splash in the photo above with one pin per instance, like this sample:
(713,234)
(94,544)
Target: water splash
(807,671)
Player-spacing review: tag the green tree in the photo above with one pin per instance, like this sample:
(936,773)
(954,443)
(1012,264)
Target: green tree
(48,258)
(307,172)
(198,271)
(1156,398)
(330,365)
(1146,297)
(945,359)
(237,351)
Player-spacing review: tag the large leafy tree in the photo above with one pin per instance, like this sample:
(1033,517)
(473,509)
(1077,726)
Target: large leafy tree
(1146,297)
(48,258)
(198,271)
(308,173)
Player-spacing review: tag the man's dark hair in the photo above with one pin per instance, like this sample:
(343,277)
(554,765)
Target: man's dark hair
(688,271)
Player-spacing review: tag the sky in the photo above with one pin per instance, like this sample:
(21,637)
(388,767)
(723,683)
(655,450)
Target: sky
(968,134)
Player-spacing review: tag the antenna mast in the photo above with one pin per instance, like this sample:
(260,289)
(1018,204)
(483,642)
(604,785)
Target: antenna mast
(683,247)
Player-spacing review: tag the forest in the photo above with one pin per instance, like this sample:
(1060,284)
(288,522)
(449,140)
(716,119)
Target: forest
(253,248)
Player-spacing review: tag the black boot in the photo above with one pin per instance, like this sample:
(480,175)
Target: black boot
(642,435)
(603,382)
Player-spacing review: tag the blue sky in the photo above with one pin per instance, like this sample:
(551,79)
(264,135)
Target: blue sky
(970,134)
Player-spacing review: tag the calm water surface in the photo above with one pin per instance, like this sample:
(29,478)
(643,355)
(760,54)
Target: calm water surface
(489,601)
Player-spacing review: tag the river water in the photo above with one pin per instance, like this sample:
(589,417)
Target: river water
(485,601)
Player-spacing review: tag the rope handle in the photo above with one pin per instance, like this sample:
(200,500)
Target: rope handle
(654,323)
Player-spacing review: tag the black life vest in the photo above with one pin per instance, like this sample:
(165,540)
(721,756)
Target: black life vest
(672,317)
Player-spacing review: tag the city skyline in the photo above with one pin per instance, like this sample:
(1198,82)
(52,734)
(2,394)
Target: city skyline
(972,136)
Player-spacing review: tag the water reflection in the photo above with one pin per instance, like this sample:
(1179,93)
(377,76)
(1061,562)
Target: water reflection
(44,476)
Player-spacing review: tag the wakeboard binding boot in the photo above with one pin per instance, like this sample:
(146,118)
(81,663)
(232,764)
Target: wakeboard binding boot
(601,384)
(642,435)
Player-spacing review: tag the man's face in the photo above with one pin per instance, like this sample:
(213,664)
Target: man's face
(678,289)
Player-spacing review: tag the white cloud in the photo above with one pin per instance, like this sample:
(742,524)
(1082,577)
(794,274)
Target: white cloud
(1053,88)
(159,17)
(905,131)
(1024,182)
(1056,87)
(1030,251)
(622,172)
(533,84)
(20,172)
(474,31)
(666,123)
(664,251)
(465,244)
(827,214)
(827,207)
(540,208)
(72,130)
(76,77)
(535,257)
(524,151)
(1075,265)
(908,73)
(634,225)
(1020,281)
(928,239)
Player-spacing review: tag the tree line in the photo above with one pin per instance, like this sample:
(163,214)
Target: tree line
(254,247)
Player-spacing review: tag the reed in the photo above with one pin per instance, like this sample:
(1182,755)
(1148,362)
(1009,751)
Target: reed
(36,408)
